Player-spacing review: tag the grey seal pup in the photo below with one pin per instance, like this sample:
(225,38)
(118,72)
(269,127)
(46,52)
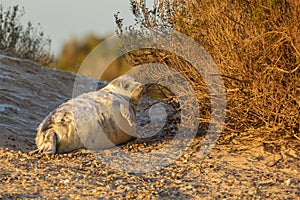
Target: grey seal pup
(94,120)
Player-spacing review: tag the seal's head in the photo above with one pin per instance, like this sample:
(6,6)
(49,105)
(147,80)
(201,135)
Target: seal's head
(128,87)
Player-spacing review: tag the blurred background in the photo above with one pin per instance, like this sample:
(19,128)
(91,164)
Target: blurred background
(75,28)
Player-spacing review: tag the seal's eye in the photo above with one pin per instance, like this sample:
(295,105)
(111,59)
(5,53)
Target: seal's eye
(126,86)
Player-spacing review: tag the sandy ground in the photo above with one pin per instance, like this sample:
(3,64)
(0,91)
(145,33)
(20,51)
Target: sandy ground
(251,165)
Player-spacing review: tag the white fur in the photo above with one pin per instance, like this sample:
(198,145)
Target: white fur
(94,120)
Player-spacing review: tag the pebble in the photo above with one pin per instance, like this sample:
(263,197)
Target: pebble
(81,175)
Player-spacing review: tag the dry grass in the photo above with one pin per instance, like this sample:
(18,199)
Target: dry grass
(256,47)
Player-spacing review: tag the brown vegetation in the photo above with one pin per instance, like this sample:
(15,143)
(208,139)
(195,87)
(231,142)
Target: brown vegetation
(256,47)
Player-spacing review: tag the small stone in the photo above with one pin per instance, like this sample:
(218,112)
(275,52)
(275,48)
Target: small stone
(66,181)
(288,182)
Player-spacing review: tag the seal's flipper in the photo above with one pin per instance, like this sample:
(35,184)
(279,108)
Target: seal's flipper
(123,118)
(34,152)
(125,113)
(49,143)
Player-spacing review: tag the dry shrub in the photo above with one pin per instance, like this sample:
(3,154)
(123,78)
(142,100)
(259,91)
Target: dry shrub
(23,41)
(256,46)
